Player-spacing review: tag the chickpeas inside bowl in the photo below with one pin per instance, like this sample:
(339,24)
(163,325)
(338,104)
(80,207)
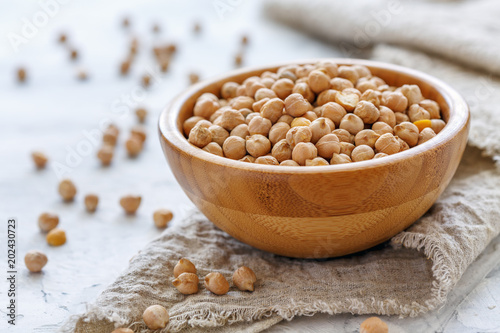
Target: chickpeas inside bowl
(395,137)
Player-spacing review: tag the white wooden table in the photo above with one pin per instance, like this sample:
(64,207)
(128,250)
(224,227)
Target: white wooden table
(55,113)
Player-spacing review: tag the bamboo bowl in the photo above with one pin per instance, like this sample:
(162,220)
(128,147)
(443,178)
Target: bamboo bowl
(322,211)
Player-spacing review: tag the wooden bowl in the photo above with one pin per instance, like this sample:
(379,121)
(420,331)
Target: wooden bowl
(322,211)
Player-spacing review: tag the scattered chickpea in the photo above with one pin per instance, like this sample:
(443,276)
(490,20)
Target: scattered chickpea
(184,266)
(373,325)
(425,135)
(146,80)
(56,237)
(126,22)
(110,135)
(35,261)
(21,75)
(40,159)
(63,38)
(186,283)
(91,202)
(125,67)
(407,132)
(238,59)
(130,203)
(216,283)
(123,330)
(193,78)
(340,159)
(362,153)
(197,28)
(244,279)
(105,154)
(138,132)
(387,144)
(74,54)
(258,145)
(67,190)
(133,146)
(161,217)
(234,147)
(47,221)
(244,40)
(155,317)
(141,114)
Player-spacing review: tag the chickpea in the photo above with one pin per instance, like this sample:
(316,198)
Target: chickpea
(365,85)
(326,96)
(395,101)
(241,131)
(331,68)
(200,136)
(402,144)
(241,91)
(347,100)
(303,71)
(282,151)
(407,132)
(216,283)
(228,90)
(264,93)
(110,136)
(257,106)
(349,73)
(56,237)
(310,115)
(425,135)
(373,325)
(317,161)
(367,112)
(155,317)
(412,93)
(241,102)
(387,116)
(340,159)
(133,146)
(245,112)
(296,105)
(437,125)
(234,147)
(362,153)
(249,118)
(140,133)
(258,145)
(35,261)
(123,330)
(161,217)
(366,137)
(267,159)
(268,82)
(300,121)
(304,151)
(288,75)
(67,190)
(319,128)
(186,283)
(105,154)
(40,159)
(432,107)
(231,118)
(298,134)
(318,81)
(303,89)
(141,114)
(253,87)
(352,123)
(382,128)
(352,91)
(248,159)
(184,266)
(372,96)
(289,163)
(205,107)
(193,78)
(214,148)
(343,135)
(273,109)
(286,119)
(130,203)
(387,144)
(401,118)
(91,201)
(346,148)
(340,84)
(47,221)
(244,279)
(259,125)
(269,75)
(328,145)
(218,134)
(333,111)
(283,88)
(416,112)
(278,132)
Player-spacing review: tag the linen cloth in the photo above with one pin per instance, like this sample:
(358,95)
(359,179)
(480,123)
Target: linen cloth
(410,275)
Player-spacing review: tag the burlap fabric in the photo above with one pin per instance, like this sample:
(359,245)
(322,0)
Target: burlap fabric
(411,274)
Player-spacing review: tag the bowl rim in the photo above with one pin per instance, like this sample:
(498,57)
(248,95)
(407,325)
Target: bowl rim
(458,118)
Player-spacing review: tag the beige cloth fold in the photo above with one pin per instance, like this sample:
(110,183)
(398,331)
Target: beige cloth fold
(411,274)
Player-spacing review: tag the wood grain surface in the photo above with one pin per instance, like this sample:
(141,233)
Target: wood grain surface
(324,211)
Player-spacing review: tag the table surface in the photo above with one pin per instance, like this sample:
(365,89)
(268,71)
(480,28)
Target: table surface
(56,113)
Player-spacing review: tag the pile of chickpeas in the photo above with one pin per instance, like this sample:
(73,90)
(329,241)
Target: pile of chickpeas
(312,115)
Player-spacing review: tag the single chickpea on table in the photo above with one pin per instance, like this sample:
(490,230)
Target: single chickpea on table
(312,115)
